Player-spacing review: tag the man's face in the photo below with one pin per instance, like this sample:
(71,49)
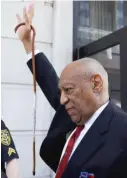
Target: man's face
(76,95)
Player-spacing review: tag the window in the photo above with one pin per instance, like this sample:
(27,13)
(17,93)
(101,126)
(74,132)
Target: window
(95,19)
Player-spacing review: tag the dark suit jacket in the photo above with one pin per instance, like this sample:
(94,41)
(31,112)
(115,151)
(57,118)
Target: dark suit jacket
(102,151)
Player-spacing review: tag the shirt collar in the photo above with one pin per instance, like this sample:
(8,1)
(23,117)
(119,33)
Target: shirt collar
(92,119)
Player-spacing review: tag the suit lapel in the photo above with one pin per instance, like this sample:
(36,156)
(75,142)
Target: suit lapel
(93,139)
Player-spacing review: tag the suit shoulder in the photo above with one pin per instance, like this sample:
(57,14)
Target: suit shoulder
(119,126)
(120,114)
(119,121)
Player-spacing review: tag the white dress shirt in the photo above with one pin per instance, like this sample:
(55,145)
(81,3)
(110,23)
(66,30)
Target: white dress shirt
(36,51)
(88,124)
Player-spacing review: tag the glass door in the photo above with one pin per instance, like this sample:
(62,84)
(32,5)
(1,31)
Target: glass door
(111,52)
(110,59)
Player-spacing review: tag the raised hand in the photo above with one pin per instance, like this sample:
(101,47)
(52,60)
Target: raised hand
(24,31)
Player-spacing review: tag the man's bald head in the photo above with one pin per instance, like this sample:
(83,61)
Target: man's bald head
(92,67)
(85,83)
(86,68)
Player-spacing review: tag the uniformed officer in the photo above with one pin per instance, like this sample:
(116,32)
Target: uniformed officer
(9,155)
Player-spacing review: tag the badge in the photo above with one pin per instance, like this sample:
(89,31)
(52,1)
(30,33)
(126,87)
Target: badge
(5,137)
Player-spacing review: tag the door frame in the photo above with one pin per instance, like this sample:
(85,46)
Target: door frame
(116,38)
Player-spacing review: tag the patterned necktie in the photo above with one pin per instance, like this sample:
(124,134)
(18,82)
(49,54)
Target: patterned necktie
(65,158)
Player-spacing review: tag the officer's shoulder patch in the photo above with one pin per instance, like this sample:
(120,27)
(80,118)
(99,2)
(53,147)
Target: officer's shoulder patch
(10,151)
(5,137)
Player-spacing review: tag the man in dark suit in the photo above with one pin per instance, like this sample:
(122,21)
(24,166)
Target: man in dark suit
(97,146)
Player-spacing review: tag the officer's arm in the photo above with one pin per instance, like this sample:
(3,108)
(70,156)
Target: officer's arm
(9,153)
(12,169)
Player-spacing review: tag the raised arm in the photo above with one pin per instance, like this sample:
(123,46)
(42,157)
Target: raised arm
(47,79)
(45,74)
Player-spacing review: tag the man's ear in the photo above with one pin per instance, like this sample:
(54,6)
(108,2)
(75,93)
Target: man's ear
(97,83)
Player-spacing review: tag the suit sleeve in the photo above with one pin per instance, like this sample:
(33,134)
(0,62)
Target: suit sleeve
(47,79)
(8,150)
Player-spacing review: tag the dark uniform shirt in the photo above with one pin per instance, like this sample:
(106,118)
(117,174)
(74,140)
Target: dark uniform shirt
(8,150)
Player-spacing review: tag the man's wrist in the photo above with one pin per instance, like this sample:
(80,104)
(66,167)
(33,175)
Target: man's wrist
(27,46)
(36,51)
